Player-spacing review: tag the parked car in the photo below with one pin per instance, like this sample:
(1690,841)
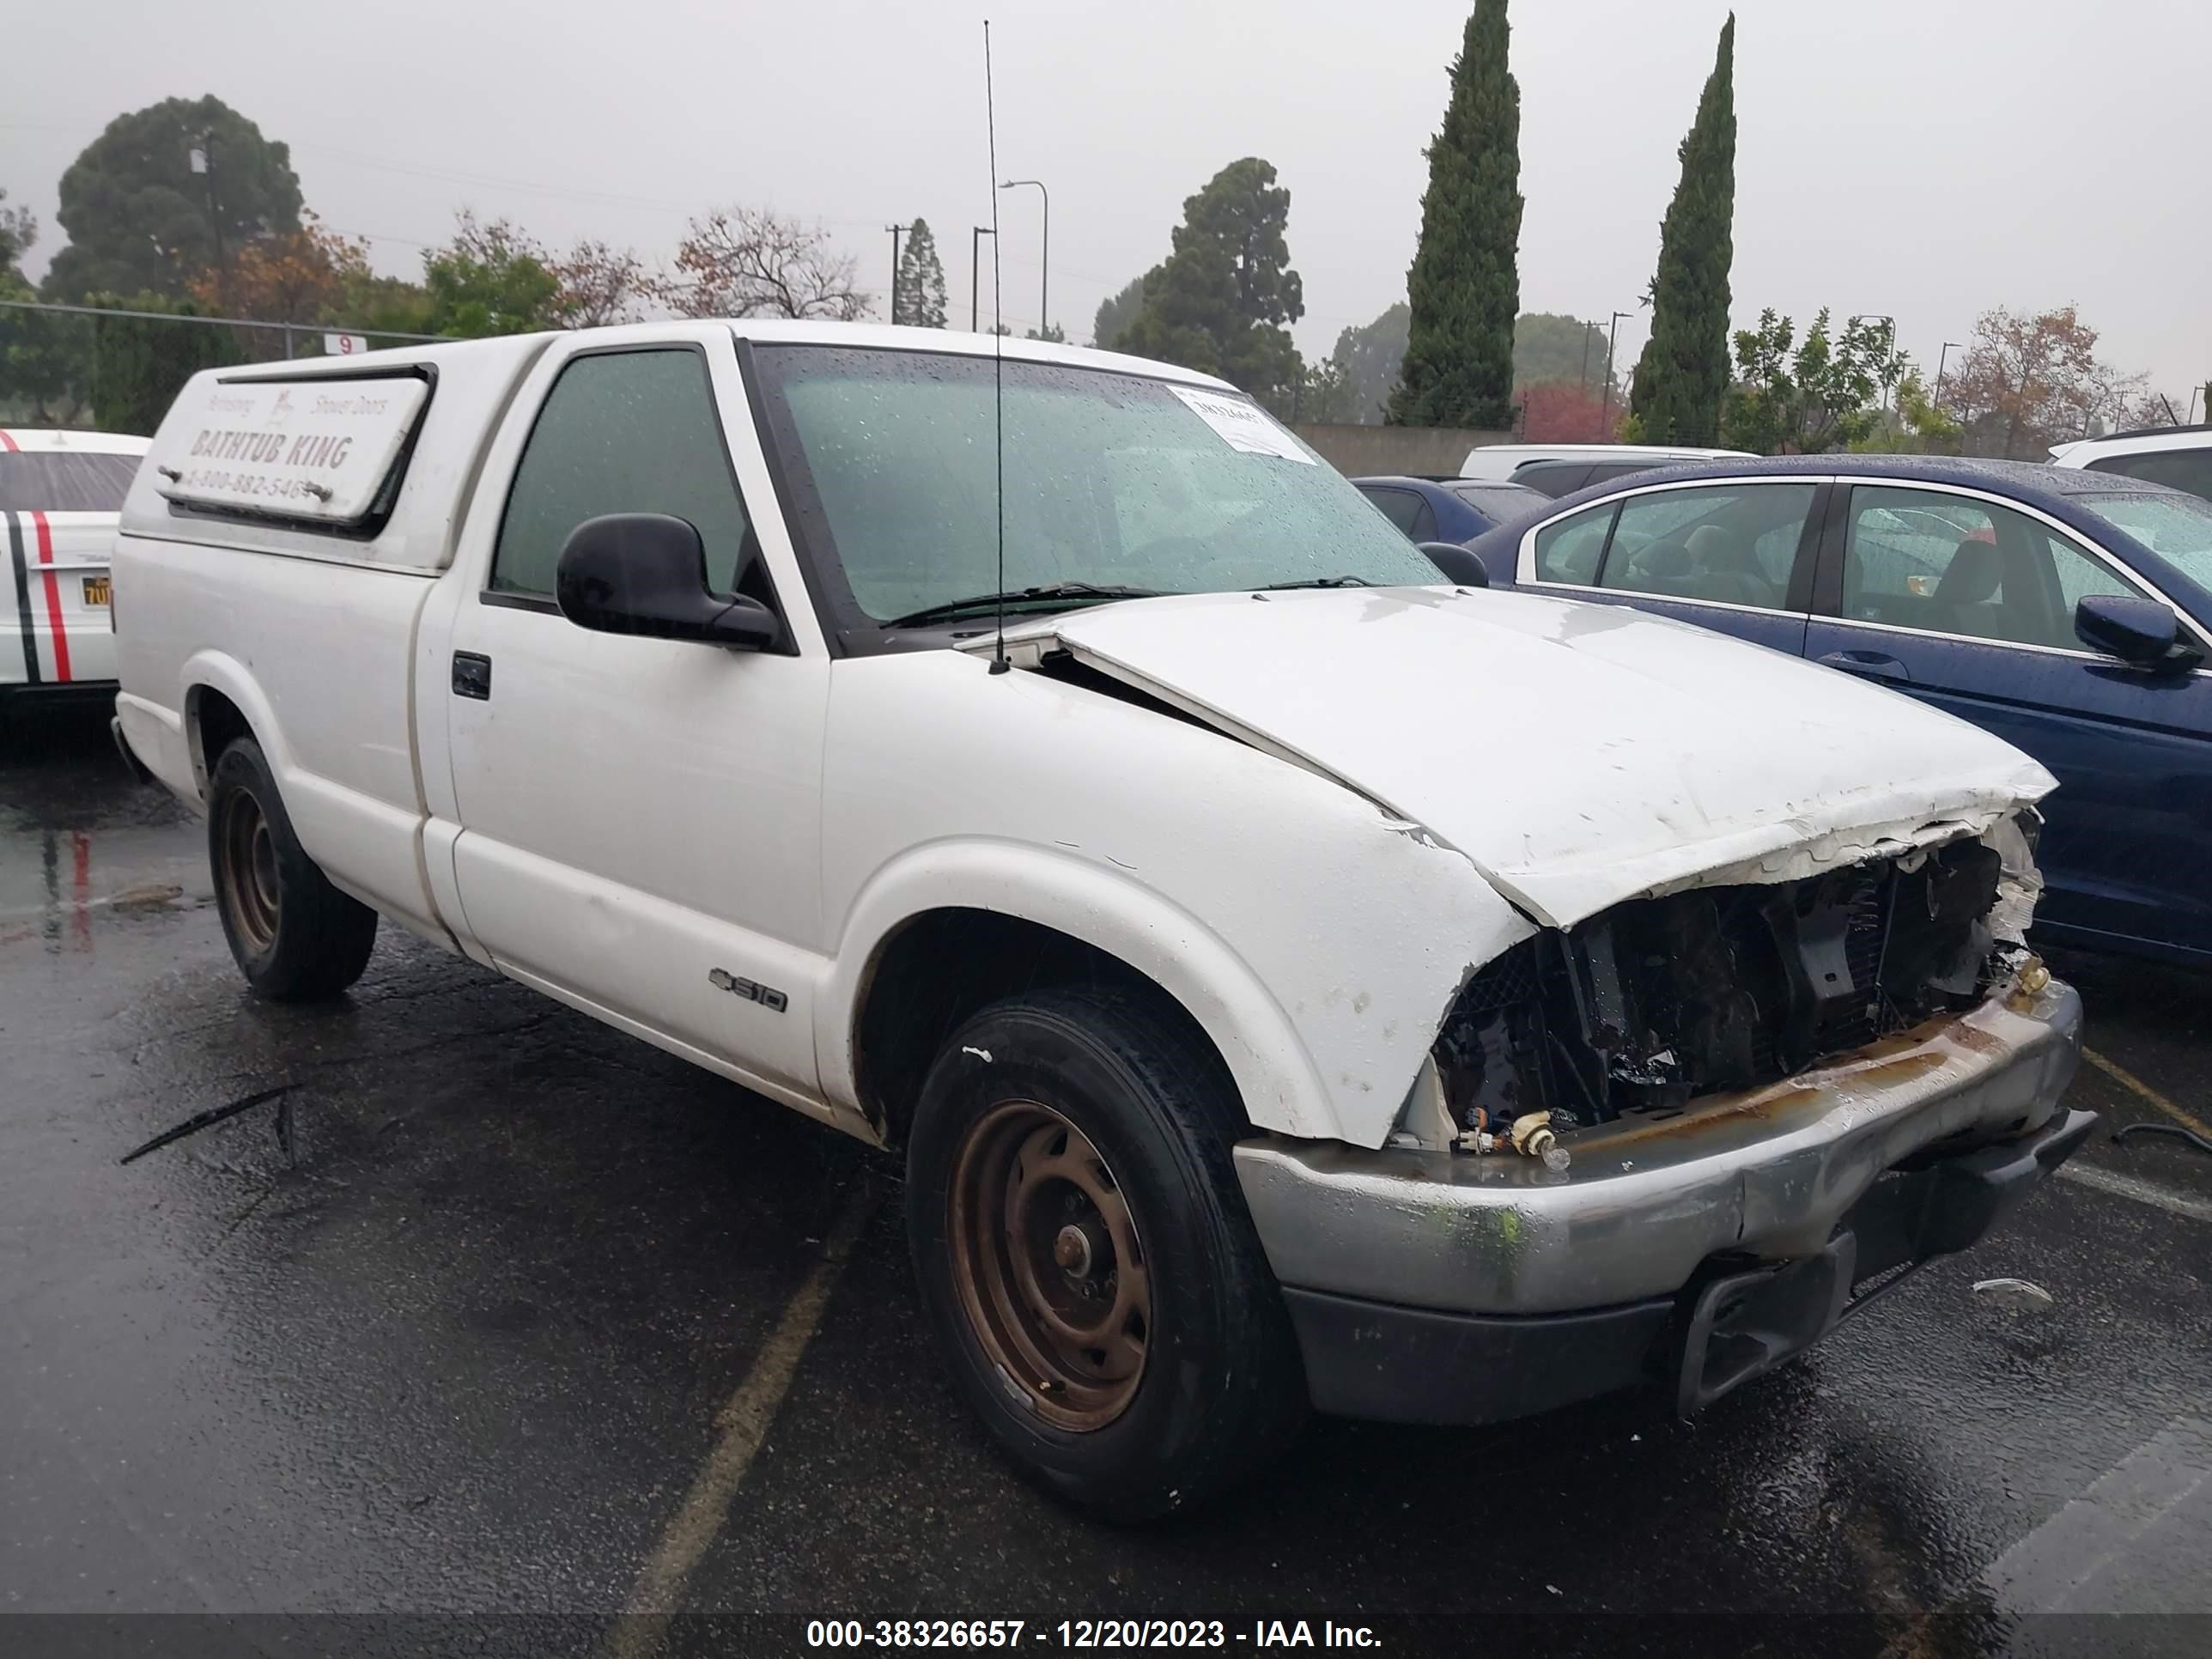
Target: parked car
(60,491)
(1449,509)
(2066,610)
(1312,984)
(2180,456)
(1561,469)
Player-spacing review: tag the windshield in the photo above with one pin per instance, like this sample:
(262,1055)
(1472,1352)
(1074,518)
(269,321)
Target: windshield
(2176,528)
(1111,480)
(65,481)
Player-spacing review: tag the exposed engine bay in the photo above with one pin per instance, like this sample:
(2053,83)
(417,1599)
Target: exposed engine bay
(1647,1007)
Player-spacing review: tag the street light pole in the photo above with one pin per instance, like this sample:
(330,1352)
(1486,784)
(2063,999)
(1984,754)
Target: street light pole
(1611,333)
(897,232)
(1044,261)
(975,269)
(1942,358)
(202,162)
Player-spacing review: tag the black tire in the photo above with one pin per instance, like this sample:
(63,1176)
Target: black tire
(1218,1387)
(295,937)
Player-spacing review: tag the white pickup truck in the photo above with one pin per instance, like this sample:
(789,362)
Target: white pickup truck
(1291,980)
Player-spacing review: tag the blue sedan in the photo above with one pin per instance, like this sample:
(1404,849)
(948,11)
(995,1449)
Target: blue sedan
(1450,510)
(2068,612)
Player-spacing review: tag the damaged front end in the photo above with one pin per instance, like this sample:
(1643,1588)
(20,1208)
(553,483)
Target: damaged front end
(1646,1009)
(1720,1120)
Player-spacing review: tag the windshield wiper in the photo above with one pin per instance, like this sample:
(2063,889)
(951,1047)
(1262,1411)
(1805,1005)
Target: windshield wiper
(1316,582)
(1048,593)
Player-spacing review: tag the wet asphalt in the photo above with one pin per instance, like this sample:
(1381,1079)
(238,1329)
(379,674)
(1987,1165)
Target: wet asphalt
(439,1375)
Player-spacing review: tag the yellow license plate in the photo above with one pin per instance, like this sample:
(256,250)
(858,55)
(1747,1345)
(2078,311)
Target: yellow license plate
(96,590)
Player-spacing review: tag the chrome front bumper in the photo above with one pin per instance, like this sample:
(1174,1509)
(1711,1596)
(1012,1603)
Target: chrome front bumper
(1766,1174)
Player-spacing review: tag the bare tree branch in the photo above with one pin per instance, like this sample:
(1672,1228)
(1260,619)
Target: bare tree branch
(754,262)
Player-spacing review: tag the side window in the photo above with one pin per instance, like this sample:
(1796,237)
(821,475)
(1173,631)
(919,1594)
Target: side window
(1569,552)
(1401,507)
(1956,564)
(1733,544)
(2185,468)
(2079,576)
(626,432)
(1424,522)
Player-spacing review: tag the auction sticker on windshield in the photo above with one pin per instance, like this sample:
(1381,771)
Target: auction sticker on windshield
(1242,426)
(307,449)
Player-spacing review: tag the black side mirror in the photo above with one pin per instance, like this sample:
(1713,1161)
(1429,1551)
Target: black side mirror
(646,574)
(1459,565)
(2141,633)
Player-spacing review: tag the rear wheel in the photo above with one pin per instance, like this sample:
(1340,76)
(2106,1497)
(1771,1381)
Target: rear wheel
(295,936)
(1086,1258)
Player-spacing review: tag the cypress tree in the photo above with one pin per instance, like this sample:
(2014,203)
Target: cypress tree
(1465,285)
(1683,374)
(921,280)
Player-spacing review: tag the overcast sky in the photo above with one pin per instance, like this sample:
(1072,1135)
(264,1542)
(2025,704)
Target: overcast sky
(1924,158)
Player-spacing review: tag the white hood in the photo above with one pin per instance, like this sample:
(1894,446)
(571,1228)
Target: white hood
(1577,754)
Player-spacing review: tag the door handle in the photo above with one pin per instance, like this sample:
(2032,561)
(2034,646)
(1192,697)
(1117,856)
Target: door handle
(1869,665)
(472,676)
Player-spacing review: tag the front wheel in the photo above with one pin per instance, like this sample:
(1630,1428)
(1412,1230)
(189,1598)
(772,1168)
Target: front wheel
(295,936)
(1086,1256)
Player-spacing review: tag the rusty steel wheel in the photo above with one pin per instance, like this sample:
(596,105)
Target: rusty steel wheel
(295,936)
(245,869)
(1049,1265)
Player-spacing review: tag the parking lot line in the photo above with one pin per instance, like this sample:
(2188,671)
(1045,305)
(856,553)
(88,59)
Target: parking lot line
(2067,1563)
(2142,1191)
(743,1424)
(2128,1079)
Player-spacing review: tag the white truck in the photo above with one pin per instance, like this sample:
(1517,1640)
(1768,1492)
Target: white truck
(1291,981)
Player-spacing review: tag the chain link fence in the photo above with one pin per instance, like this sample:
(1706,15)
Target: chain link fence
(114,370)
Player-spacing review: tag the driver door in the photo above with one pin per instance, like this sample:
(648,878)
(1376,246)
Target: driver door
(640,818)
(1966,602)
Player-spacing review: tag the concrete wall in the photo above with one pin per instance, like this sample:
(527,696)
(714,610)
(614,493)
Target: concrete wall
(1360,451)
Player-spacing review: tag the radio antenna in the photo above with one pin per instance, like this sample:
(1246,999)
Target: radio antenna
(999,662)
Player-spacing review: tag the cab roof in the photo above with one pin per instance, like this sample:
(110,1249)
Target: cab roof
(764,331)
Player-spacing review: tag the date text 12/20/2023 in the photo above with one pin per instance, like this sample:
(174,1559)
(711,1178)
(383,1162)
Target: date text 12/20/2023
(1085,1633)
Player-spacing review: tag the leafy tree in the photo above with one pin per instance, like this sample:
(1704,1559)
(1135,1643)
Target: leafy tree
(2029,382)
(492,278)
(138,217)
(1372,354)
(1683,373)
(1465,284)
(596,284)
(1326,394)
(19,229)
(46,361)
(378,305)
(921,280)
(1054,335)
(1220,302)
(1829,393)
(754,262)
(42,358)
(293,277)
(139,364)
(1116,313)
(1916,427)
(1551,347)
